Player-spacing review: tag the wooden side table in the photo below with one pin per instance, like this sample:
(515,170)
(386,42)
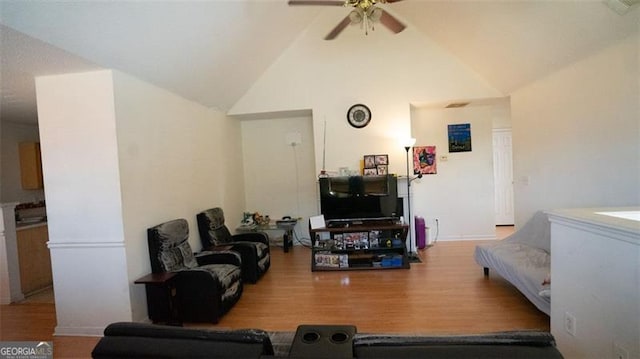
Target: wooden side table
(162,300)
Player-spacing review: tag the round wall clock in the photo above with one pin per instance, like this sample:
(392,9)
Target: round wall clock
(359,115)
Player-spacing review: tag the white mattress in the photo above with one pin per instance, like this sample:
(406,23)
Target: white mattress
(523,266)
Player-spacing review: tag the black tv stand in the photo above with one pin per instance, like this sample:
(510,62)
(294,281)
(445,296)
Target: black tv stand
(374,245)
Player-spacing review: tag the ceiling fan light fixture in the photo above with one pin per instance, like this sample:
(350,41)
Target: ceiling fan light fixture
(365,13)
(356,16)
(374,13)
(365,17)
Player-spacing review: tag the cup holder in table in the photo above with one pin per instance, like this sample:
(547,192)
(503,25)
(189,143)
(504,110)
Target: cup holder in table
(339,337)
(323,341)
(310,337)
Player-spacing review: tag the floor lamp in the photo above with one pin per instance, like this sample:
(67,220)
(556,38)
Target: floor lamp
(413,256)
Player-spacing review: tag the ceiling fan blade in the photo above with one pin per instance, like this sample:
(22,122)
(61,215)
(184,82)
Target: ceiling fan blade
(338,29)
(317,2)
(391,22)
(392,1)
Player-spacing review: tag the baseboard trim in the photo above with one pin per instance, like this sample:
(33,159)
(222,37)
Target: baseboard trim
(5,299)
(466,237)
(78,331)
(71,245)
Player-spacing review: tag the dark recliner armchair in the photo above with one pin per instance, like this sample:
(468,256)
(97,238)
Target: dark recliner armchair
(253,247)
(207,285)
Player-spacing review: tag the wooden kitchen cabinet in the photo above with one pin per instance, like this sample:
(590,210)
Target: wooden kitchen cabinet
(30,165)
(34,258)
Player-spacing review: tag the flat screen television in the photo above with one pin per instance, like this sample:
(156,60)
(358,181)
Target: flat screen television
(359,197)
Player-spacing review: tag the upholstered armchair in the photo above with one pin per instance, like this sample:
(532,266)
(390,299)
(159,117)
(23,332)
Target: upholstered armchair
(207,285)
(253,247)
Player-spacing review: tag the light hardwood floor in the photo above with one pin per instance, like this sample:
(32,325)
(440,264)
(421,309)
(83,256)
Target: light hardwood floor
(445,294)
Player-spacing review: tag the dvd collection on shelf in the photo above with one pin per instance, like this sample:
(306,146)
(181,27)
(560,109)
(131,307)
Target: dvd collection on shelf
(328,259)
(331,260)
(355,241)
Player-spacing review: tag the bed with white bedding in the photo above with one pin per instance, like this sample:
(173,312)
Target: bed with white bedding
(523,259)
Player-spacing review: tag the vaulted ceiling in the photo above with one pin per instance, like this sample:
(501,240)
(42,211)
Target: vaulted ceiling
(212,51)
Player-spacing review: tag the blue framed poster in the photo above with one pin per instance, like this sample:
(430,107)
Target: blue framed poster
(460,137)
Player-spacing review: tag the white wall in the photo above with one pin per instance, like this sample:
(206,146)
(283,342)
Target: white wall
(576,134)
(280,179)
(11,189)
(10,286)
(461,194)
(176,158)
(384,71)
(595,279)
(502,114)
(119,156)
(84,208)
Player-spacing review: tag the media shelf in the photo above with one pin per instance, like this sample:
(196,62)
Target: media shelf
(360,246)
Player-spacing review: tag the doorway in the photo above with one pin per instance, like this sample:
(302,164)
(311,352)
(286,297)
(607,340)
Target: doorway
(503,177)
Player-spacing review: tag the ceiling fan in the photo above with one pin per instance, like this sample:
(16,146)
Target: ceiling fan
(365,12)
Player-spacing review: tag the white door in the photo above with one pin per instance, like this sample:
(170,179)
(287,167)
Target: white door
(503,176)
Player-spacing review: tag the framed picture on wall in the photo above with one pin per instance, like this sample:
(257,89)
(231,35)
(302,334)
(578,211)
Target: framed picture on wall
(381,160)
(424,160)
(459,137)
(382,169)
(369,161)
(370,171)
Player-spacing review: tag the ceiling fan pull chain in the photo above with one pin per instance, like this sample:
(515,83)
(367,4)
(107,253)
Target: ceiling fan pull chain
(366,23)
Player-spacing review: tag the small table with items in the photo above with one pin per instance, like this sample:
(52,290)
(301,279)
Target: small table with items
(286,225)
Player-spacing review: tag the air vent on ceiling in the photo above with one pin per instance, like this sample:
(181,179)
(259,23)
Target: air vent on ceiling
(457,104)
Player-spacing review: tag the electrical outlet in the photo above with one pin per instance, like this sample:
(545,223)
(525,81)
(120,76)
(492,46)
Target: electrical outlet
(620,352)
(570,323)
